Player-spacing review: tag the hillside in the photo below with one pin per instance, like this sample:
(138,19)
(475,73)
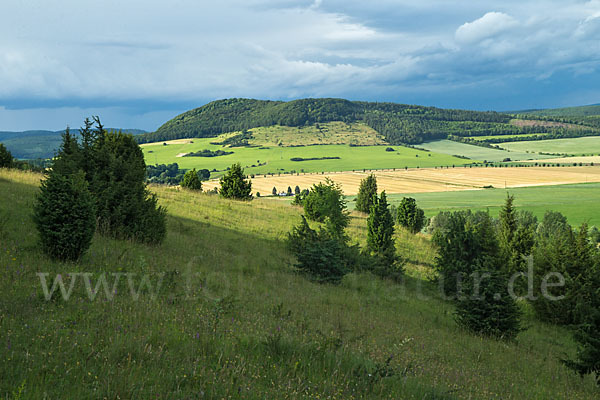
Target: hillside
(579,111)
(397,123)
(233,320)
(35,144)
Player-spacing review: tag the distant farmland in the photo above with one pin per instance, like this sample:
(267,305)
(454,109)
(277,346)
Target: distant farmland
(478,152)
(261,160)
(432,180)
(577,146)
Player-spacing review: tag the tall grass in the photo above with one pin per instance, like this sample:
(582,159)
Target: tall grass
(233,320)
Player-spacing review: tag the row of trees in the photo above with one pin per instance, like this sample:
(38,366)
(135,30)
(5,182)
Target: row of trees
(96,183)
(486,265)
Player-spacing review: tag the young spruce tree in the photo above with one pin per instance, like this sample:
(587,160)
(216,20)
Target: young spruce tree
(366,193)
(380,239)
(191,180)
(234,184)
(410,216)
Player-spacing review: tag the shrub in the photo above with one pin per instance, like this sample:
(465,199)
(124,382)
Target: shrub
(64,215)
(191,180)
(234,185)
(325,203)
(366,193)
(410,216)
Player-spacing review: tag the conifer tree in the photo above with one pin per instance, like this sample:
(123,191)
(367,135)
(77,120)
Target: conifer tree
(366,193)
(191,180)
(6,158)
(410,216)
(64,215)
(274,191)
(380,238)
(234,185)
(297,190)
(485,306)
(289,191)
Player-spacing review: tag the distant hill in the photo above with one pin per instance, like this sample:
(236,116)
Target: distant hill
(397,123)
(40,143)
(581,111)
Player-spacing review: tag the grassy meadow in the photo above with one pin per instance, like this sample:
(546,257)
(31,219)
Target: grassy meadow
(578,202)
(477,152)
(576,146)
(277,159)
(233,320)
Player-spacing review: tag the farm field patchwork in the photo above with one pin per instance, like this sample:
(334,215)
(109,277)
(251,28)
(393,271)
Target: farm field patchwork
(432,180)
(278,158)
(477,152)
(578,202)
(577,146)
(570,160)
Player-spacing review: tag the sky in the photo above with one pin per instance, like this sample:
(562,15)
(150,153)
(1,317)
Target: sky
(137,64)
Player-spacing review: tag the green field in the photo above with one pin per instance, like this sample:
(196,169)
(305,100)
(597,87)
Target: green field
(245,325)
(575,146)
(477,152)
(278,158)
(578,202)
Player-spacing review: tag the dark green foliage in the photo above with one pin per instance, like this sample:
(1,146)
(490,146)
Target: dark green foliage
(326,203)
(465,241)
(299,198)
(313,158)
(410,216)
(191,180)
(274,191)
(559,249)
(6,158)
(587,334)
(367,191)
(208,153)
(516,235)
(380,239)
(485,307)
(115,170)
(319,254)
(289,191)
(64,215)
(234,184)
(167,174)
(297,190)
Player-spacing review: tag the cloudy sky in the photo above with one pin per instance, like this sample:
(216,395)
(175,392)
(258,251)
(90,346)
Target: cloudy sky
(139,63)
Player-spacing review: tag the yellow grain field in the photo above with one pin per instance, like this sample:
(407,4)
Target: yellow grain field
(431,179)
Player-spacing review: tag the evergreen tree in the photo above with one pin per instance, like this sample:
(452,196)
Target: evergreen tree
(485,307)
(587,333)
(64,215)
(516,235)
(380,238)
(6,158)
(289,191)
(319,254)
(297,190)
(274,191)
(465,241)
(410,216)
(191,180)
(366,193)
(234,185)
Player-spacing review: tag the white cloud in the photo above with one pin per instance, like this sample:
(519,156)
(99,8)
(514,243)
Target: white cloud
(485,27)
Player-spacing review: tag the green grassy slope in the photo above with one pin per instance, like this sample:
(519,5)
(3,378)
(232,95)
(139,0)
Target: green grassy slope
(278,158)
(244,325)
(578,202)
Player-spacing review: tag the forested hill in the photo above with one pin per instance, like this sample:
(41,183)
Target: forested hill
(398,123)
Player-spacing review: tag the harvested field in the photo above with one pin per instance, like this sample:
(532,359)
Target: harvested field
(432,180)
(566,160)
